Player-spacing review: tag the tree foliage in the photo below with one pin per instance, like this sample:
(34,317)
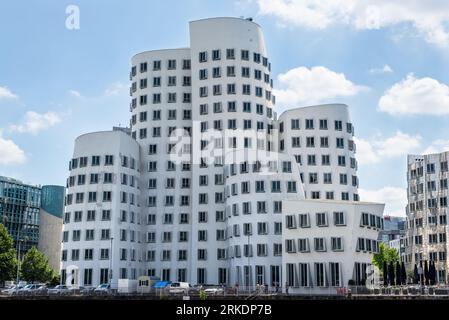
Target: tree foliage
(35,267)
(385,254)
(8,260)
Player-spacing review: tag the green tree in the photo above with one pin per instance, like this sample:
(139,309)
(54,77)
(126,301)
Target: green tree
(203,294)
(35,267)
(385,254)
(8,260)
(55,280)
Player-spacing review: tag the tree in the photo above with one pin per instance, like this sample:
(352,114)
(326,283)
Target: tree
(391,273)
(35,267)
(403,274)
(55,280)
(426,273)
(398,274)
(385,254)
(8,260)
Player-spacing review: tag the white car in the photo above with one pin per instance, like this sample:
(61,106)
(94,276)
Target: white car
(104,288)
(59,289)
(179,288)
(11,290)
(214,290)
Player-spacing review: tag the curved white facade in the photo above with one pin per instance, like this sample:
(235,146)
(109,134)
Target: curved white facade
(102,210)
(165,184)
(237,81)
(321,140)
(214,164)
(329,244)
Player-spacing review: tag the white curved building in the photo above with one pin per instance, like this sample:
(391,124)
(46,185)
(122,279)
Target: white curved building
(102,220)
(214,168)
(321,140)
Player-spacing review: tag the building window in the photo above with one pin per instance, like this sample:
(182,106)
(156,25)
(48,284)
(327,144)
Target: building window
(186,64)
(338,125)
(339,218)
(203,56)
(335,274)
(107,196)
(337,244)
(171,64)
(309,124)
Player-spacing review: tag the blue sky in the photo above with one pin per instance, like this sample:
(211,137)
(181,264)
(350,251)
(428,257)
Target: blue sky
(389,65)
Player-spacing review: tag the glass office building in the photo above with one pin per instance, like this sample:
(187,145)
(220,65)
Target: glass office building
(19,211)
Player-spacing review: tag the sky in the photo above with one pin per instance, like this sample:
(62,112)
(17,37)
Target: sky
(388,60)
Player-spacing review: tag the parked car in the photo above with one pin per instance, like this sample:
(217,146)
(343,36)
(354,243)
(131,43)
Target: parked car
(87,290)
(41,289)
(179,288)
(104,288)
(75,289)
(12,290)
(215,290)
(59,290)
(29,289)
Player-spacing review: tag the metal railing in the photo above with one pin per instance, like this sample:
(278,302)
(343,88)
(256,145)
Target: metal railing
(253,293)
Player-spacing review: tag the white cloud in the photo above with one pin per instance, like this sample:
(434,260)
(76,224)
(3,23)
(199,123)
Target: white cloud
(75,93)
(10,153)
(35,122)
(429,19)
(398,145)
(385,69)
(366,153)
(379,148)
(413,96)
(304,86)
(115,89)
(395,199)
(5,93)
(437,146)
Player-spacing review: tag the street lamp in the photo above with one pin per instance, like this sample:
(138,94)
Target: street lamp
(420,272)
(18,262)
(110,265)
(249,266)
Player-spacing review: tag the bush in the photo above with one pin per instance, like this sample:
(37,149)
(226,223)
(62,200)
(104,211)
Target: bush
(351,282)
(203,295)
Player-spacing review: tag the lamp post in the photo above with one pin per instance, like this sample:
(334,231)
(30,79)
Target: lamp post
(249,266)
(110,265)
(420,272)
(18,262)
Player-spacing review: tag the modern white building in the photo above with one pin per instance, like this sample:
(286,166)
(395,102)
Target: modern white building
(427,192)
(328,243)
(321,140)
(102,219)
(213,163)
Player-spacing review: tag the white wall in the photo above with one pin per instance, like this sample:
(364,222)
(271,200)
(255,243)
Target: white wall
(350,233)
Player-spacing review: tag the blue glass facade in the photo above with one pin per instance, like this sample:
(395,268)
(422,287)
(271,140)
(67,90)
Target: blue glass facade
(52,200)
(19,211)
